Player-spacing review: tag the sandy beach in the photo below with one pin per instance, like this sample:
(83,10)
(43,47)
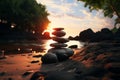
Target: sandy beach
(19,66)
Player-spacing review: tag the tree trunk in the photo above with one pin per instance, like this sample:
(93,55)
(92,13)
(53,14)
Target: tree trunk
(115,10)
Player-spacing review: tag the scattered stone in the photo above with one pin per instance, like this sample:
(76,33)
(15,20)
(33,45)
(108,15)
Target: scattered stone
(27,73)
(35,61)
(2,73)
(69,52)
(38,76)
(10,79)
(3,57)
(73,46)
(37,56)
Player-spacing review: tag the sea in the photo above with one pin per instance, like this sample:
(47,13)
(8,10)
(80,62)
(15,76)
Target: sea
(18,47)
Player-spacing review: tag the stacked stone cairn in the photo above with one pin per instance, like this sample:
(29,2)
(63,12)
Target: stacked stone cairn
(58,52)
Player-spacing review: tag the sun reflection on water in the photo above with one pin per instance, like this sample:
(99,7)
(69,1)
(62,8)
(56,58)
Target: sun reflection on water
(48,42)
(47,45)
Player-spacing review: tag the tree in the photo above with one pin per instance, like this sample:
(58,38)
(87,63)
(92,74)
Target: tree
(109,7)
(27,15)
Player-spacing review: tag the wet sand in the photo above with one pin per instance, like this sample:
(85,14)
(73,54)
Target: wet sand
(19,66)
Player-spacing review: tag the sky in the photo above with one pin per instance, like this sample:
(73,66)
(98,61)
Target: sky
(74,17)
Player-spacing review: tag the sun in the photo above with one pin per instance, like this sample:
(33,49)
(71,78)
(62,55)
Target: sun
(50,30)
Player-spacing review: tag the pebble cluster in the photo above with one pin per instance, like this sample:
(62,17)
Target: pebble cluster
(58,52)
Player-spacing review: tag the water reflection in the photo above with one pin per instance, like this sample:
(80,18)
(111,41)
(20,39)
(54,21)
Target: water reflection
(29,47)
(47,44)
(72,42)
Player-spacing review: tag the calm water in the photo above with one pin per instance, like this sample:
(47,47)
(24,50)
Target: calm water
(30,46)
(72,42)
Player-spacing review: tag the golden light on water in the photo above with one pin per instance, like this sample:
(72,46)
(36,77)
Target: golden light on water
(50,30)
(47,45)
(53,25)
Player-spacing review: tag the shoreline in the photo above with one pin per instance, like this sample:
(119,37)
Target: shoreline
(92,62)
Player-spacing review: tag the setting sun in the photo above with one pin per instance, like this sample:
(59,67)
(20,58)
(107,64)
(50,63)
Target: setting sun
(50,29)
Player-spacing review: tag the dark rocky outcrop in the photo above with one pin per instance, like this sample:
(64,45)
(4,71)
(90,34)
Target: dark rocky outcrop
(104,35)
(86,35)
(98,61)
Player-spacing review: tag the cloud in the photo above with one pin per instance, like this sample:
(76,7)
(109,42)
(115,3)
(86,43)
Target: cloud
(71,14)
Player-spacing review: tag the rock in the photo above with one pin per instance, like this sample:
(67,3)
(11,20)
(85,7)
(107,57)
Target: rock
(59,33)
(86,35)
(62,53)
(73,46)
(38,76)
(58,50)
(37,56)
(58,29)
(53,75)
(60,39)
(67,51)
(35,61)
(58,45)
(2,73)
(49,58)
(46,35)
(27,73)
(10,78)
(62,56)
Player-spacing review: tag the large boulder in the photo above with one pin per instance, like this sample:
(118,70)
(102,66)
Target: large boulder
(49,58)
(62,53)
(103,35)
(86,35)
